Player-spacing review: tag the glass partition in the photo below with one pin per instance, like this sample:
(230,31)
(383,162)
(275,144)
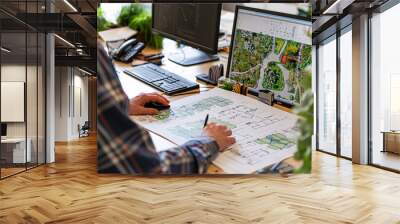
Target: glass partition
(22,77)
(14,153)
(32,98)
(326,138)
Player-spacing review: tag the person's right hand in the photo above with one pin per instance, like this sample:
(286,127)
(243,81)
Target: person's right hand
(221,134)
(136,104)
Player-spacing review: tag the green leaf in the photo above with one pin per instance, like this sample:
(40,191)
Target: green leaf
(137,18)
(305,125)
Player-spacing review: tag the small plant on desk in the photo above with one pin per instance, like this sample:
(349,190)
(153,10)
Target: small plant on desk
(102,23)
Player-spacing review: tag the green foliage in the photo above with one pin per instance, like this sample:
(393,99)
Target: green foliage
(226,84)
(292,48)
(279,44)
(306,13)
(305,111)
(291,51)
(305,56)
(142,23)
(250,50)
(102,23)
(273,78)
(137,18)
(305,79)
(129,12)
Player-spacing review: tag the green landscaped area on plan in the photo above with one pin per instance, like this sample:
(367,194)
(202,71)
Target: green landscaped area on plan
(273,77)
(264,62)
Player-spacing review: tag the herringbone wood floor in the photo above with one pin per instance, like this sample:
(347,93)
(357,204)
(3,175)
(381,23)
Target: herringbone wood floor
(70,191)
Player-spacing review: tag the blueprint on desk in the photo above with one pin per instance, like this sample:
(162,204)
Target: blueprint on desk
(264,135)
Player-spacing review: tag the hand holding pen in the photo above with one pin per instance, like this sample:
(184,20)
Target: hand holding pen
(220,133)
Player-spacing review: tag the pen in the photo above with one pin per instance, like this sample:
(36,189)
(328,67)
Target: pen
(205,121)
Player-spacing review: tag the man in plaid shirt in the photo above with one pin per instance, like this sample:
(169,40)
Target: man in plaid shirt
(125,147)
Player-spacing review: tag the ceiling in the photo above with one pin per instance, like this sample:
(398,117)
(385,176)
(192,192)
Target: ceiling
(73,20)
(331,15)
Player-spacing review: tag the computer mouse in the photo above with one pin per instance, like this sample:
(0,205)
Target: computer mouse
(156,105)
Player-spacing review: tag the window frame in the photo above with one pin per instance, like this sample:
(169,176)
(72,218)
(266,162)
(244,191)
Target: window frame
(334,37)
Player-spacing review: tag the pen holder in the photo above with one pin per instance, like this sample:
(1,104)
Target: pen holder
(214,73)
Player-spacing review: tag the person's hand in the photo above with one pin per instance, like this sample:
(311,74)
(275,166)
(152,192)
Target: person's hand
(221,134)
(136,104)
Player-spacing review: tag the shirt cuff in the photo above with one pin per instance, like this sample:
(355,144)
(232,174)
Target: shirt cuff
(204,150)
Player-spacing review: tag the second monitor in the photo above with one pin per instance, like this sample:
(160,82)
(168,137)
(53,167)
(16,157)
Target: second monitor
(195,25)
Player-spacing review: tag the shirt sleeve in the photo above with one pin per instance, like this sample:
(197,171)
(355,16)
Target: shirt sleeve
(192,157)
(125,147)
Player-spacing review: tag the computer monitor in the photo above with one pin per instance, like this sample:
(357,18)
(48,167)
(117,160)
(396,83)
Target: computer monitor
(194,25)
(271,51)
(3,130)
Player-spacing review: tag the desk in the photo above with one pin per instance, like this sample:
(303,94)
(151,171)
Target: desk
(13,150)
(134,87)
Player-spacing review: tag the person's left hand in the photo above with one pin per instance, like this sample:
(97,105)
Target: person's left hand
(136,104)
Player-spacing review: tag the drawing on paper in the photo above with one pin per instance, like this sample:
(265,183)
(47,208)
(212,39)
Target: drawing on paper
(194,129)
(192,109)
(264,135)
(276,141)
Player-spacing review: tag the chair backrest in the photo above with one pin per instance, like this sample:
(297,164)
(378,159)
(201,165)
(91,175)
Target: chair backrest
(86,125)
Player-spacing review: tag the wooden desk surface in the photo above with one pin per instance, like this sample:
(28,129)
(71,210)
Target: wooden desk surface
(134,87)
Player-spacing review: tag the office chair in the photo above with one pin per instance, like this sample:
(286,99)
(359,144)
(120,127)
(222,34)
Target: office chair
(84,130)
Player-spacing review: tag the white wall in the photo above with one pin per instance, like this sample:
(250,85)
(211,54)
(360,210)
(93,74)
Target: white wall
(71,102)
(14,73)
(61,103)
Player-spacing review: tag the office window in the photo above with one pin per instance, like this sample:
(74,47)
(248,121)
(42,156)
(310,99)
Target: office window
(346,93)
(327,96)
(385,89)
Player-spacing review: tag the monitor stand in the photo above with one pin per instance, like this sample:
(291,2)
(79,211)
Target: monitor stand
(187,56)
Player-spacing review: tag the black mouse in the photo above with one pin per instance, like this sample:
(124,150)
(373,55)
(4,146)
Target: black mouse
(156,105)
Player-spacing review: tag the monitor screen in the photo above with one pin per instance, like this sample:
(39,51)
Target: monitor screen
(3,129)
(196,25)
(271,51)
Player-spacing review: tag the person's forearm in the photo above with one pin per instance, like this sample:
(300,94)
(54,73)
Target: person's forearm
(193,157)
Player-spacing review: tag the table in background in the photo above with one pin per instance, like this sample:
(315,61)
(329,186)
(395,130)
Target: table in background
(391,141)
(13,151)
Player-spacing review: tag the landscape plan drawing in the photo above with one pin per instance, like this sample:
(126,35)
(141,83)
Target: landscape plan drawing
(264,135)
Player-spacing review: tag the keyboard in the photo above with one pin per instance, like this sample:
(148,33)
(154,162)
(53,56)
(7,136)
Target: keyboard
(161,79)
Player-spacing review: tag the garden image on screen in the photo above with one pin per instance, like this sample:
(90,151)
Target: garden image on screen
(273,54)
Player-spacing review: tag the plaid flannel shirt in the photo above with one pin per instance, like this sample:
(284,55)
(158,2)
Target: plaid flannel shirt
(125,147)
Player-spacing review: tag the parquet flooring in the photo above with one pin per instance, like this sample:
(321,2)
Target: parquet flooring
(70,191)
